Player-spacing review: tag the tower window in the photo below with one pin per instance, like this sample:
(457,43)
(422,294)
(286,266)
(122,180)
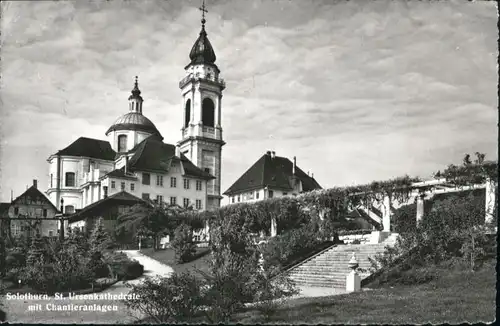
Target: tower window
(122,143)
(70,179)
(208,112)
(69,209)
(187,112)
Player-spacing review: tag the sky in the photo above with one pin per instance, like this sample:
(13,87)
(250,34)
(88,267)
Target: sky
(357,90)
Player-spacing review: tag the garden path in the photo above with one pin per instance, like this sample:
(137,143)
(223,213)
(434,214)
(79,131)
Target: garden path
(18,310)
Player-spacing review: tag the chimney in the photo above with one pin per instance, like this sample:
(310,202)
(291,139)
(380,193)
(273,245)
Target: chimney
(312,175)
(105,188)
(35,183)
(268,153)
(177,151)
(308,173)
(273,154)
(294,164)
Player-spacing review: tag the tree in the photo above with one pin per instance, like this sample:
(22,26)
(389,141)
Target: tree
(183,243)
(153,220)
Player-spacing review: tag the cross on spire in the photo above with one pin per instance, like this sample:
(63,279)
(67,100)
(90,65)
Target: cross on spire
(203,11)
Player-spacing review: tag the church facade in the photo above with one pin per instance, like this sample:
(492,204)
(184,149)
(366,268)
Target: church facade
(134,157)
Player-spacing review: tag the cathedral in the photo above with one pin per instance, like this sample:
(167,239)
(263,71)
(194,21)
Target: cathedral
(134,157)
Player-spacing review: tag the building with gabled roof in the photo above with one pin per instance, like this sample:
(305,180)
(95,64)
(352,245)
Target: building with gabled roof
(26,214)
(271,176)
(134,157)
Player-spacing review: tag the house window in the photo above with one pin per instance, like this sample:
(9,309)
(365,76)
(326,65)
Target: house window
(113,185)
(145,196)
(38,212)
(69,209)
(186,202)
(232,199)
(238,198)
(146,179)
(16,210)
(198,204)
(44,212)
(70,179)
(16,229)
(132,187)
(256,195)
(207,170)
(173,182)
(198,185)
(159,199)
(173,200)
(122,143)
(285,193)
(123,186)
(159,180)
(51,233)
(186,183)
(271,194)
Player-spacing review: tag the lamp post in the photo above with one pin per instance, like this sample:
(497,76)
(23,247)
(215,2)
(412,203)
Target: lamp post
(353,281)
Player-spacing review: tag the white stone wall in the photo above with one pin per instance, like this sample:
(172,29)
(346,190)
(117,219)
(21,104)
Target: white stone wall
(251,196)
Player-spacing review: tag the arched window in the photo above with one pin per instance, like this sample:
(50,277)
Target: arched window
(187,112)
(70,179)
(208,112)
(122,143)
(69,209)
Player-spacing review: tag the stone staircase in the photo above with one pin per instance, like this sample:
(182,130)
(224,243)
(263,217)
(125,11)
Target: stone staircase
(329,268)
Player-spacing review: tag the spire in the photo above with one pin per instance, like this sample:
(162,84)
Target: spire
(203,11)
(202,51)
(136,93)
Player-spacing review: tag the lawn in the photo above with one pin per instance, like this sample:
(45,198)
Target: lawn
(167,257)
(456,296)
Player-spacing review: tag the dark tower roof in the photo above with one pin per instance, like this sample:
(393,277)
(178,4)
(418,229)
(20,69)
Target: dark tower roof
(136,92)
(202,51)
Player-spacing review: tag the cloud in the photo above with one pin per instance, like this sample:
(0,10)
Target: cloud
(357,91)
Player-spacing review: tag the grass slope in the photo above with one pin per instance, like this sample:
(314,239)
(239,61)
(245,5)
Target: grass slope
(454,296)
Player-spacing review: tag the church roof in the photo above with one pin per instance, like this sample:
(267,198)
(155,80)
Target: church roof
(272,172)
(154,155)
(120,173)
(134,121)
(89,147)
(121,197)
(202,51)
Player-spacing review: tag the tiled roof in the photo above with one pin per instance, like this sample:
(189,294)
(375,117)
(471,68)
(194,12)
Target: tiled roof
(121,197)
(154,155)
(89,147)
(272,172)
(33,192)
(120,173)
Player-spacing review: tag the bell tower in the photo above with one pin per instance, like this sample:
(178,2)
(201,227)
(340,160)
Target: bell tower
(201,91)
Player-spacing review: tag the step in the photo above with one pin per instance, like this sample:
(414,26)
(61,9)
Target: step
(340,285)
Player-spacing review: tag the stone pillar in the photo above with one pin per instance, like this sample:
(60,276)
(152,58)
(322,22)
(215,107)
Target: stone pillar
(386,214)
(420,208)
(490,201)
(353,280)
(207,230)
(274,229)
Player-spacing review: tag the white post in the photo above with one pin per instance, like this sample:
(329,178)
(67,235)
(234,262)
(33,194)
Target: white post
(490,201)
(386,217)
(353,281)
(274,230)
(207,231)
(420,208)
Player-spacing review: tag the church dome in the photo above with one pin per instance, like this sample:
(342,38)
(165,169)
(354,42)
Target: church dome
(202,51)
(134,121)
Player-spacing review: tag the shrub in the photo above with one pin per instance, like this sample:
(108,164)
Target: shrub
(166,300)
(183,243)
(132,270)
